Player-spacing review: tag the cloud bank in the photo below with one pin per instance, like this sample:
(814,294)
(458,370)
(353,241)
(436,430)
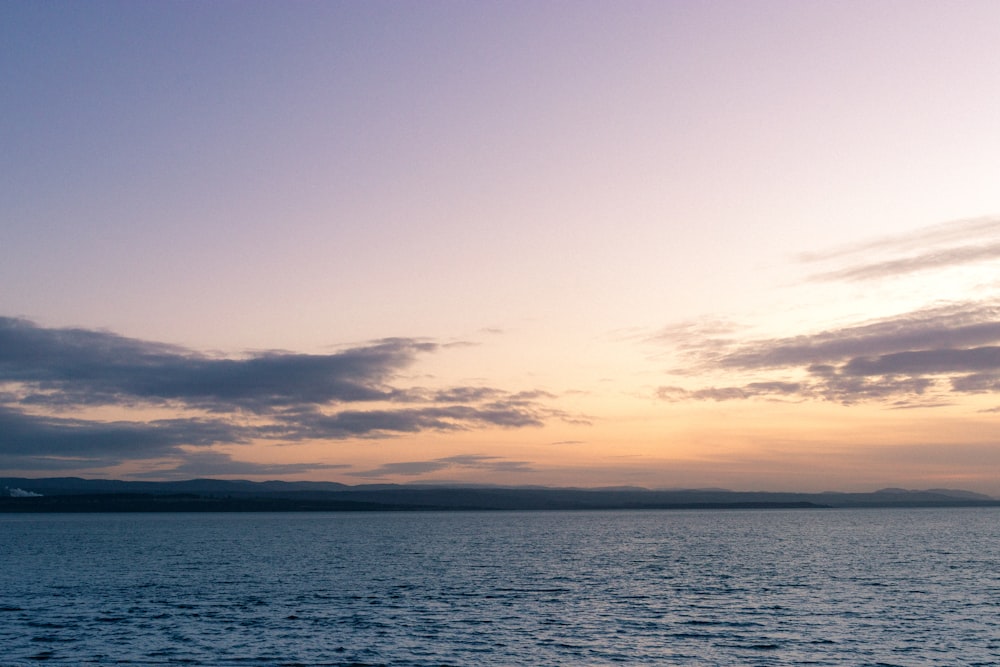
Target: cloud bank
(924,357)
(52,382)
(929,352)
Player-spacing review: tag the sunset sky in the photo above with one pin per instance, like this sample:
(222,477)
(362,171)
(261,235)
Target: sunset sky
(751,245)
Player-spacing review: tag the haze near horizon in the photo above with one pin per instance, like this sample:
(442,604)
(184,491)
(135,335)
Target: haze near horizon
(670,245)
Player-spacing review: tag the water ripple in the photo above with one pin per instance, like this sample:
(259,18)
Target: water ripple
(775,588)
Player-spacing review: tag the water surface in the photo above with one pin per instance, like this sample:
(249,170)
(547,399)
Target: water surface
(749,587)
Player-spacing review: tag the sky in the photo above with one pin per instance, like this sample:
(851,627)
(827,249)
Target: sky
(750,245)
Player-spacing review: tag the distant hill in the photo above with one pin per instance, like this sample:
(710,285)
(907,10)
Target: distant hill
(73,494)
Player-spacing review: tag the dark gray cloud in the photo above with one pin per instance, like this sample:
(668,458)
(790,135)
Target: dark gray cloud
(466,461)
(977,383)
(836,386)
(48,376)
(75,366)
(926,362)
(377,423)
(27,434)
(920,354)
(60,464)
(452,394)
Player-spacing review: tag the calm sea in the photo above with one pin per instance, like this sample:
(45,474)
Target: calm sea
(797,587)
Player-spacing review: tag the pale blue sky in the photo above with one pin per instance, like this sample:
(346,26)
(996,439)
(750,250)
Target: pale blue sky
(540,189)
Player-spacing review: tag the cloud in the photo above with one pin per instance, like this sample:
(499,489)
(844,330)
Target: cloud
(977,383)
(466,461)
(80,367)
(940,234)
(212,463)
(52,379)
(26,434)
(730,393)
(950,244)
(405,468)
(951,326)
(910,359)
(54,463)
(377,423)
(922,353)
(924,362)
(495,463)
(930,260)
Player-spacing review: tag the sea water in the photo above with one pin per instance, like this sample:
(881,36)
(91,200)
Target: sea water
(750,587)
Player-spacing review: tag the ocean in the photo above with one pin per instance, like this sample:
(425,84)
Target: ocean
(742,587)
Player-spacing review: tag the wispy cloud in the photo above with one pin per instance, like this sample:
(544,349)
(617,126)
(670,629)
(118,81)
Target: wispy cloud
(937,247)
(462,461)
(209,463)
(49,378)
(748,390)
(922,262)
